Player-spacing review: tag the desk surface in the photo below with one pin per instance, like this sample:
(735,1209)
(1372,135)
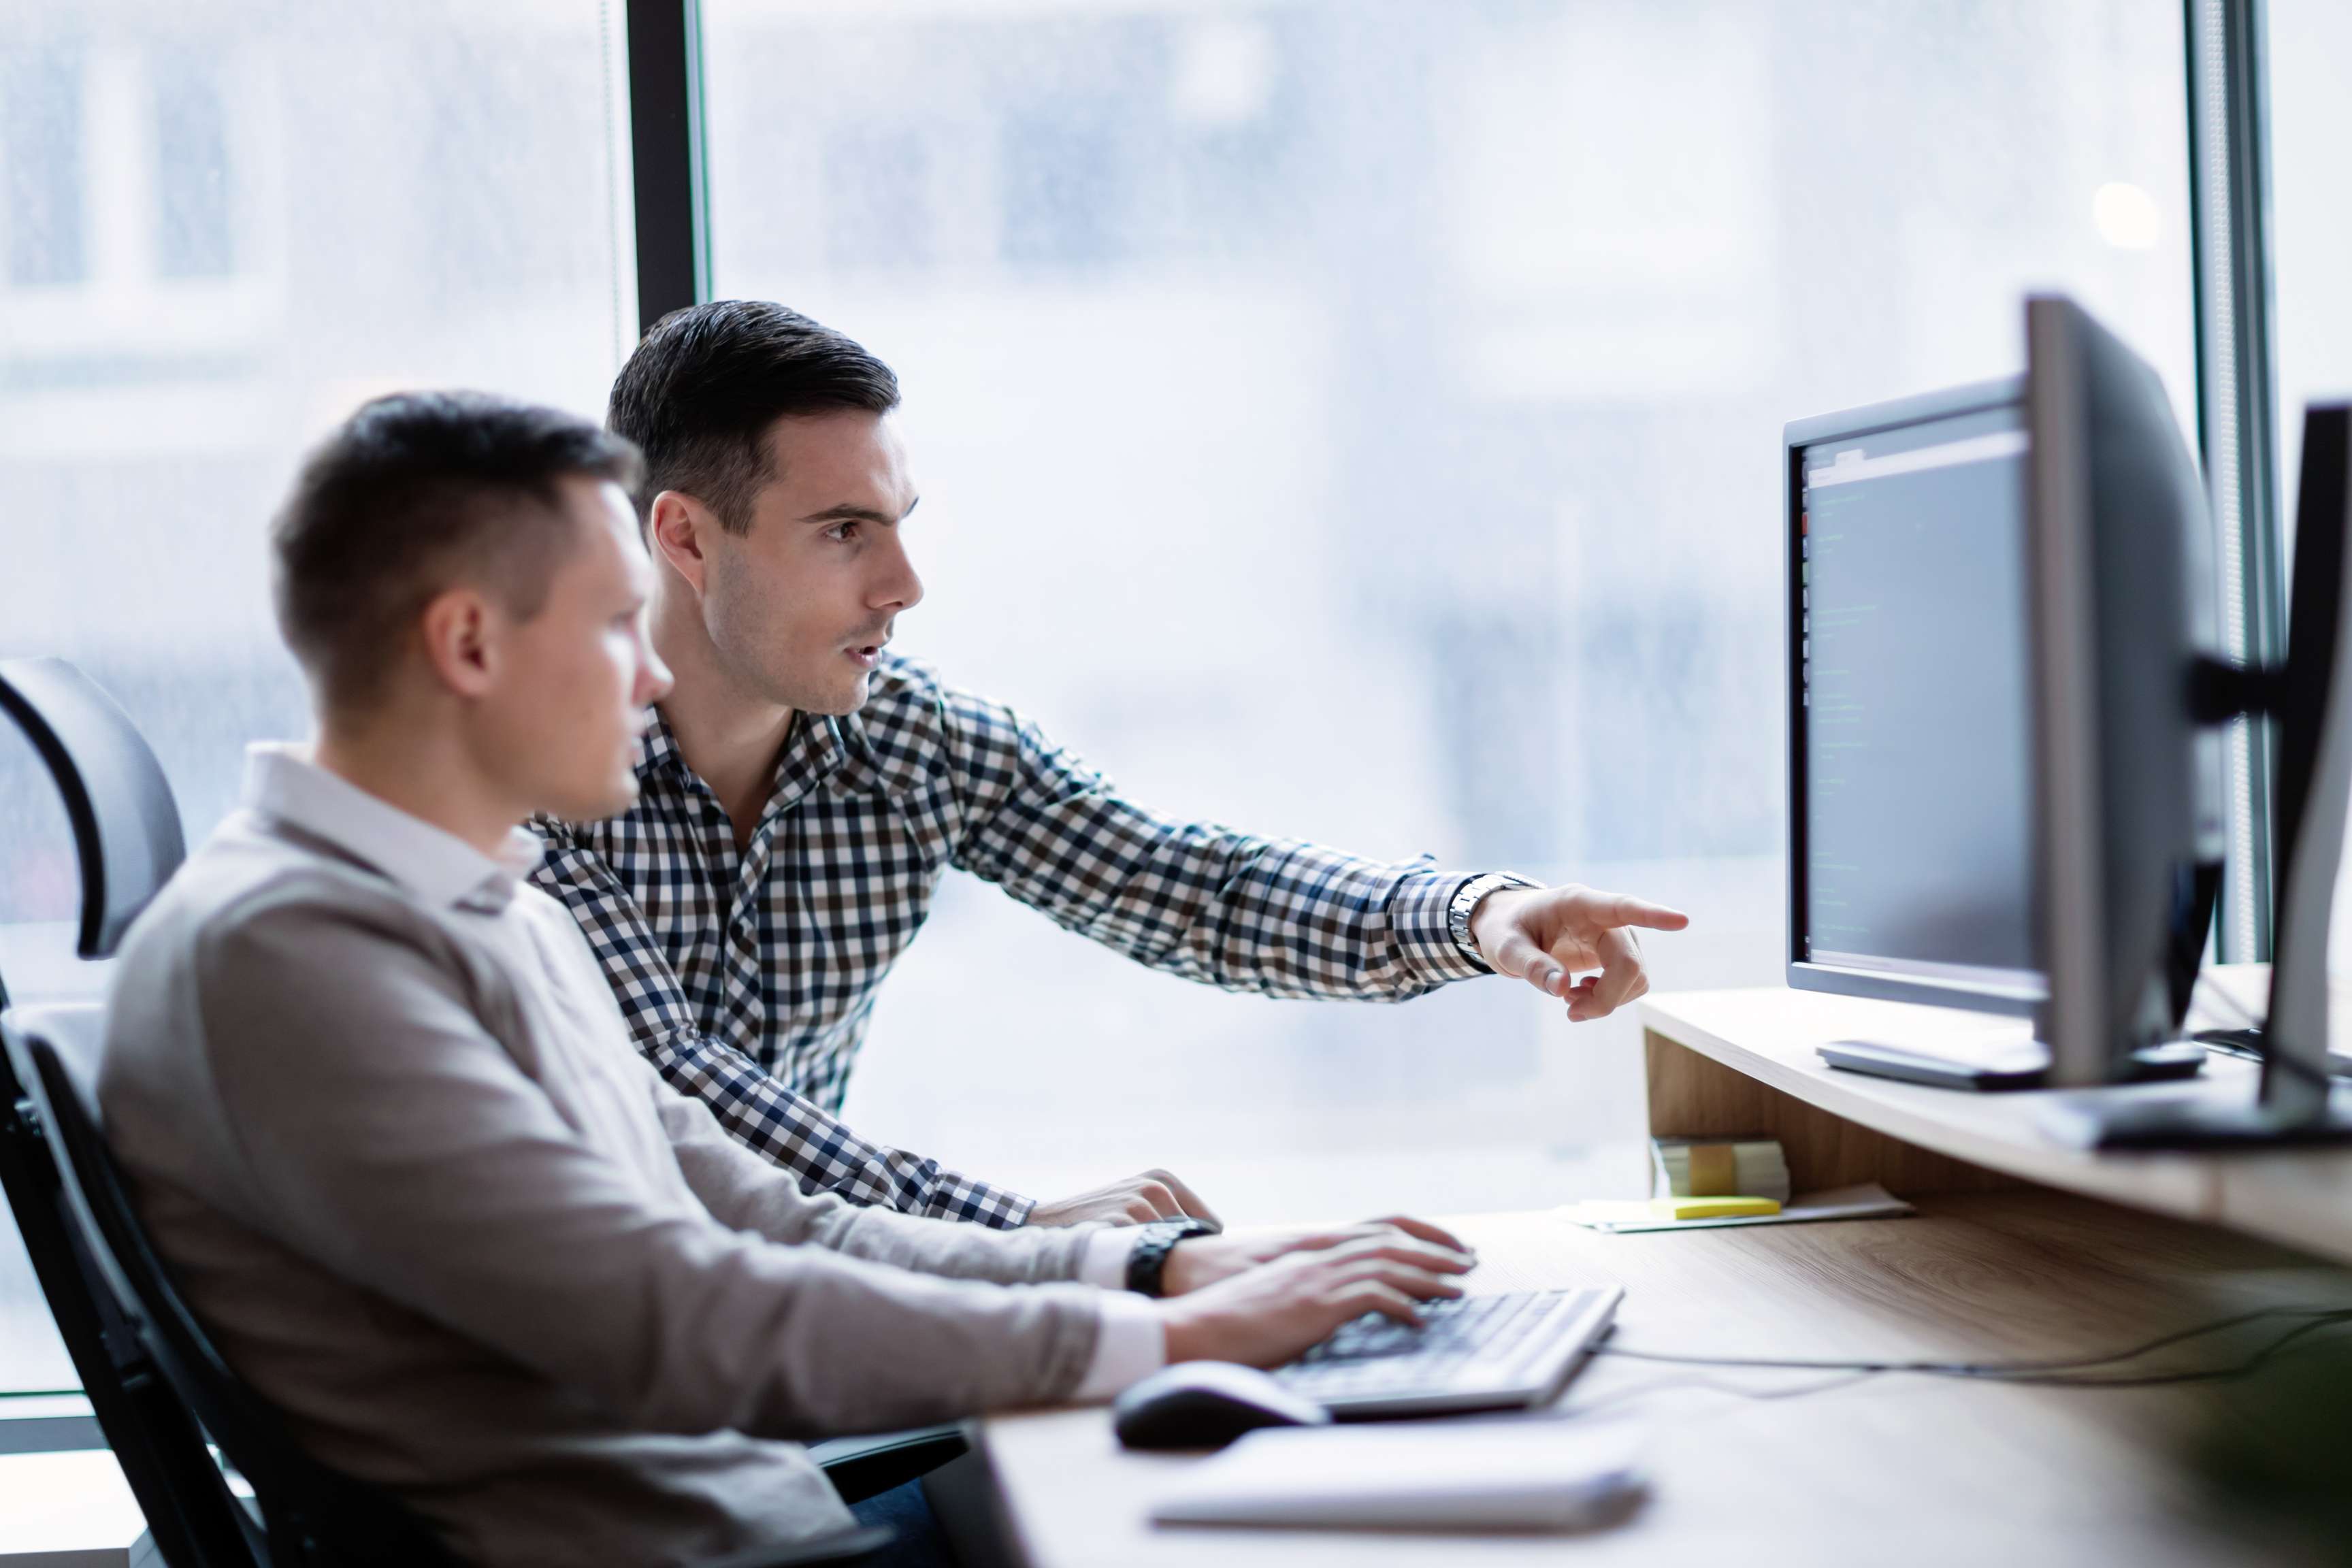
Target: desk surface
(1892,1469)
(1772,1035)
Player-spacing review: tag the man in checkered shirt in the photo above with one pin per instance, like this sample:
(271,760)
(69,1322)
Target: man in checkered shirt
(802,792)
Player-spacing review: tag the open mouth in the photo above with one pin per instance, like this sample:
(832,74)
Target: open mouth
(870,655)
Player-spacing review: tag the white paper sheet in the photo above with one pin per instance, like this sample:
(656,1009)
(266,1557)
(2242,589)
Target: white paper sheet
(1866,1201)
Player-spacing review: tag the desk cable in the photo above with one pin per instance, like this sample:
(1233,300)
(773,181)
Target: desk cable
(2042,1373)
(2245,1040)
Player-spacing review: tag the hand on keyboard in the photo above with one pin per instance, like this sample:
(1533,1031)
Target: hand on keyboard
(1203,1260)
(1268,1315)
(1446,1328)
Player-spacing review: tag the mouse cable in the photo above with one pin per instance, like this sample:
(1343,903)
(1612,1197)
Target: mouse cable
(2246,1368)
(1610,1401)
(2313,1319)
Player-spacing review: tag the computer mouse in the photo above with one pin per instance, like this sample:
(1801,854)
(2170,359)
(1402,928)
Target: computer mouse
(1207,1405)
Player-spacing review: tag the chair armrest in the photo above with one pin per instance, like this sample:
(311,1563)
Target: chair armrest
(861,1468)
(841,1546)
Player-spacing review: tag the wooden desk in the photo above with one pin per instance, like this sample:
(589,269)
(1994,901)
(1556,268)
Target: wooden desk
(1894,1468)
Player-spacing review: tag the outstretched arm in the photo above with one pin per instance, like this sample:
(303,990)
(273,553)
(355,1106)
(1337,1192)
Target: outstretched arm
(1274,916)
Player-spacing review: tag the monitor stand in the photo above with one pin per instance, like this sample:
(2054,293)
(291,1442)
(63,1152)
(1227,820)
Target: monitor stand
(2157,1064)
(2093,1118)
(2301,1100)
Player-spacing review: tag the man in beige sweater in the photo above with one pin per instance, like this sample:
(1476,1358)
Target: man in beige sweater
(383,1117)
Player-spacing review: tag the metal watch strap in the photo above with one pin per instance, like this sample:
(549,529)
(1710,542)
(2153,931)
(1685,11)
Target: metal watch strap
(1465,903)
(1153,1243)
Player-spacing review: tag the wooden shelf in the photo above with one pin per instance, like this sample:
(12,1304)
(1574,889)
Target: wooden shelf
(1728,1062)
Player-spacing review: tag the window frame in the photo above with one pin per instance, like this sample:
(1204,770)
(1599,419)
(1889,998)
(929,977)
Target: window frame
(667,157)
(2237,398)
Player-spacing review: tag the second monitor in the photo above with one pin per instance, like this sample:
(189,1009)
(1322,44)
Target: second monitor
(1997,597)
(1911,775)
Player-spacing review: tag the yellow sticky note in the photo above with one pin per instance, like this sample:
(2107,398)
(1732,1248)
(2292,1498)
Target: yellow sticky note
(1712,1208)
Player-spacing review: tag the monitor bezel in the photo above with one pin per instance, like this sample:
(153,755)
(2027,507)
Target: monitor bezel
(2014,997)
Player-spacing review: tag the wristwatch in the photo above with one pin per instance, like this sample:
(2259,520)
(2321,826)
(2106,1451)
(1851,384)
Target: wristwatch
(1465,903)
(1153,1243)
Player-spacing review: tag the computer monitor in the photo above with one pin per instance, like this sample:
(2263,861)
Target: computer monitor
(2128,780)
(1958,833)
(2005,755)
(1911,873)
(2309,699)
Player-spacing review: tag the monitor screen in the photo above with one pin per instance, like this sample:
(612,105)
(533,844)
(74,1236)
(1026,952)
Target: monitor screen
(1914,716)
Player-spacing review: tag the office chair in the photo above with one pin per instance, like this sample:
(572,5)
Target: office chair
(191,1517)
(147,1366)
(126,826)
(311,1515)
(127,836)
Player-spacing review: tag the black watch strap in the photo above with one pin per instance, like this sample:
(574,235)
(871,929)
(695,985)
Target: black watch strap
(1153,1243)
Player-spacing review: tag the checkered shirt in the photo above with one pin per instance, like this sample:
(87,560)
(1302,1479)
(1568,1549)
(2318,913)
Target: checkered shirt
(748,978)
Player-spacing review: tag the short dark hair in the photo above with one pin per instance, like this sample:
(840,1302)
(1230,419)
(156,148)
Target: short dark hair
(412,493)
(701,391)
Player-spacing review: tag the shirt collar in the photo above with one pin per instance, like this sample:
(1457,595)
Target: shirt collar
(815,747)
(434,865)
(657,749)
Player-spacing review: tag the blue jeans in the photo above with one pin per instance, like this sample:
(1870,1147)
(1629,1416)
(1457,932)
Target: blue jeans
(921,1544)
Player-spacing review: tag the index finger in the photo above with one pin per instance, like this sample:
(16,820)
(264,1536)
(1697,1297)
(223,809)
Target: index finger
(1618,910)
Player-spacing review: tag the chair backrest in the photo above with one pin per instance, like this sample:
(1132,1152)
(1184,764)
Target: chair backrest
(126,826)
(311,1515)
(193,1517)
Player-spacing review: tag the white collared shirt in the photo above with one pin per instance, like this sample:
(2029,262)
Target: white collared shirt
(282,779)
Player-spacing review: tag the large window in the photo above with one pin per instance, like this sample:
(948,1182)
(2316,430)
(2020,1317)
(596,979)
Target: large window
(1360,421)
(1348,418)
(222,228)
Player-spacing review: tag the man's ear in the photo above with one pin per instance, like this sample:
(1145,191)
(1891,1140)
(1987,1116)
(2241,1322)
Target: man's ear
(677,527)
(460,631)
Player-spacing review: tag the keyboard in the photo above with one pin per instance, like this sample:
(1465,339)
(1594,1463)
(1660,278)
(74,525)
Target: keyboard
(1481,1353)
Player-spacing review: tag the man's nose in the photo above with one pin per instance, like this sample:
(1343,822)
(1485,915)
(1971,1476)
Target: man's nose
(900,588)
(653,679)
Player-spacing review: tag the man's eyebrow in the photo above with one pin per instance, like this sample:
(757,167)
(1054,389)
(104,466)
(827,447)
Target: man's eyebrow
(849,512)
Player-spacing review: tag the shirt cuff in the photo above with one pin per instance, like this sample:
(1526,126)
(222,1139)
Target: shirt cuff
(1128,1346)
(952,1196)
(1103,1264)
(1417,911)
